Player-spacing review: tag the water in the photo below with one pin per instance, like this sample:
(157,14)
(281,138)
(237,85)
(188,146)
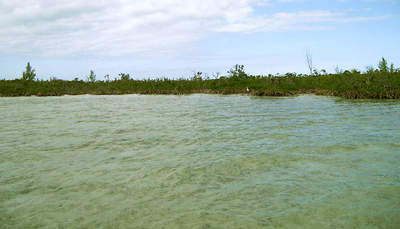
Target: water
(199,161)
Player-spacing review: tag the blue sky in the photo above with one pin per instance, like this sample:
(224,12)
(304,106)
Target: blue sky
(174,38)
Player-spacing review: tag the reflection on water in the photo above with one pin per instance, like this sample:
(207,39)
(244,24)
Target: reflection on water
(199,161)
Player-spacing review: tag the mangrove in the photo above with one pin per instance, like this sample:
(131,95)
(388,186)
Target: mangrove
(380,83)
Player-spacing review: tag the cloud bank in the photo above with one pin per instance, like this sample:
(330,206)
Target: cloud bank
(125,27)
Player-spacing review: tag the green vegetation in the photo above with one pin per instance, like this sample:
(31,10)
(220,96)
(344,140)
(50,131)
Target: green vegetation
(91,77)
(29,73)
(380,83)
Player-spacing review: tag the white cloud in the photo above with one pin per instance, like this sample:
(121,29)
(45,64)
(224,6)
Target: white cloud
(119,27)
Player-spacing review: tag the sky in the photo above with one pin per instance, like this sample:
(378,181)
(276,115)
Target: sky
(175,38)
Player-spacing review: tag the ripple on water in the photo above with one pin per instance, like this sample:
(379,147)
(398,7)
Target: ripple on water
(199,161)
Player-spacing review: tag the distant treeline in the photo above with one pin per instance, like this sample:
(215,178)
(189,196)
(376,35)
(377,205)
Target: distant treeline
(380,83)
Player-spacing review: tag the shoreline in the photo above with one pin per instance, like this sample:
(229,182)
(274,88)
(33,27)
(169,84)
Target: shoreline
(348,95)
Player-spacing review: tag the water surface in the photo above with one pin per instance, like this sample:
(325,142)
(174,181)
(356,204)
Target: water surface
(199,161)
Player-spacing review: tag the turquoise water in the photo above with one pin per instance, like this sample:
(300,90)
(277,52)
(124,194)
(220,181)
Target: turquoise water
(199,161)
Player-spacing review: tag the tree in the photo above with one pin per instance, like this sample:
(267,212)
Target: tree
(197,76)
(338,70)
(237,72)
(370,69)
(216,75)
(92,76)
(124,76)
(309,62)
(383,65)
(392,68)
(107,78)
(29,73)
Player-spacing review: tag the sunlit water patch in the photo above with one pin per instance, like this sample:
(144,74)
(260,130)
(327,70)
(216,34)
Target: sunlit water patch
(199,161)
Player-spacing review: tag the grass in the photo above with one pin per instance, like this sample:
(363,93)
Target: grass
(383,83)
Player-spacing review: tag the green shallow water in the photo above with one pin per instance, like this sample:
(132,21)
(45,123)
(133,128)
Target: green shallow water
(199,161)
